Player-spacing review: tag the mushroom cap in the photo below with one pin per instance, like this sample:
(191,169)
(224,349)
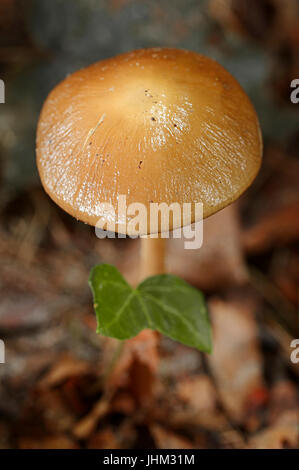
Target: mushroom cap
(155,125)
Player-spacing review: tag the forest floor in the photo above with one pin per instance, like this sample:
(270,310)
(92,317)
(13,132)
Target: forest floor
(64,386)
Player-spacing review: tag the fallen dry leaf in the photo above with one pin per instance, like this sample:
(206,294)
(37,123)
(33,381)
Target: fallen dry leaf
(137,365)
(283,398)
(232,439)
(283,434)
(273,229)
(236,361)
(64,368)
(123,403)
(86,426)
(219,262)
(166,439)
(269,21)
(104,439)
(53,409)
(48,442)
(198,393)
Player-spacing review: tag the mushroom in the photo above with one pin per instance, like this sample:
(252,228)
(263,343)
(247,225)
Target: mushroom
(157,125)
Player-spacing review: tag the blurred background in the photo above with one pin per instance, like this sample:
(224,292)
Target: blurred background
(62,385)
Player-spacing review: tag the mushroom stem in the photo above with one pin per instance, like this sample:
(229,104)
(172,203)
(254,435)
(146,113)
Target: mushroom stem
(152,257)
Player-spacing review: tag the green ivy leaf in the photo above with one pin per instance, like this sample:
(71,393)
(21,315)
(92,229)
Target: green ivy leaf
(164,303)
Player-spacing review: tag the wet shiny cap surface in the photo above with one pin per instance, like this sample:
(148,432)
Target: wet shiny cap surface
(155,125)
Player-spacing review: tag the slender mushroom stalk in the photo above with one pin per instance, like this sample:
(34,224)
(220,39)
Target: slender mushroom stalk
(152,257)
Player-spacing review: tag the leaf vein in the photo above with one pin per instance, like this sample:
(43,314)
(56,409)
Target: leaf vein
(120,311)
(173,311)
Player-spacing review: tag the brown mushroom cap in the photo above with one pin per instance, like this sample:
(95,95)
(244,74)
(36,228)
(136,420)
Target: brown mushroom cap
(156,125)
